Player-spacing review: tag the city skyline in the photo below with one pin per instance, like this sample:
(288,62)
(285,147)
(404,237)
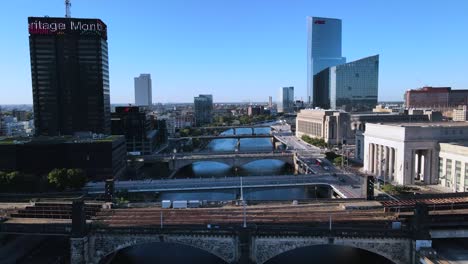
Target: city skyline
(248,53)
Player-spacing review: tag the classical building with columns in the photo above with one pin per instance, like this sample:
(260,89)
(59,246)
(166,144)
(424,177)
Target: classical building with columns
(406,153)
(333,126)
(453,166)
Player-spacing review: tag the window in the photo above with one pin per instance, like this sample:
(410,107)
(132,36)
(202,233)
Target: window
(466,174)
(441,168)
(458,172)
(448,172)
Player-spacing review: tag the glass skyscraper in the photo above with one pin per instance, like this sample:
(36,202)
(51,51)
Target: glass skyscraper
(70,75)
(351,86)
(203,109)
(323,48)
(286,100)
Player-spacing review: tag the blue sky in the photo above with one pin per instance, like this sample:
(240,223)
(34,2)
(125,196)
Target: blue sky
(244,50)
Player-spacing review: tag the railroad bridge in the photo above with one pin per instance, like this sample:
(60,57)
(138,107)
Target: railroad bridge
(243,246)
(254,233)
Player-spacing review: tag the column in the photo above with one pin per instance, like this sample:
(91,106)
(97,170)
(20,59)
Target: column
(391,165)
(385,163)
(376,158)
(377,163)
(371,158)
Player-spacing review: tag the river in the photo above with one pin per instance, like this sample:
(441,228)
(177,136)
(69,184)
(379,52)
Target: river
(168,253)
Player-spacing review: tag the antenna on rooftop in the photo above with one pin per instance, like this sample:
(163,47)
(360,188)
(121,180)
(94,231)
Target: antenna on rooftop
(67,8)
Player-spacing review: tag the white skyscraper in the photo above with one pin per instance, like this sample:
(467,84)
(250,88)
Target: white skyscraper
(143,93)
(323,48)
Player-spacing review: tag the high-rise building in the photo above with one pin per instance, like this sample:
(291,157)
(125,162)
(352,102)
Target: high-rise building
(137,127)
(270,102)
(323,48)
(352,86)
(203,109)
(286,100)
(70,77)
(143,90)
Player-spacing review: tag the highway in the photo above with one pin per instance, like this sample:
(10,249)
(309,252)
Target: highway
(342,184)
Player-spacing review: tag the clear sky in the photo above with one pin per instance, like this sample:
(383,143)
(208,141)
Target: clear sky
(244,50)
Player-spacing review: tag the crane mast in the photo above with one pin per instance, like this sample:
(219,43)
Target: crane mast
(67,8)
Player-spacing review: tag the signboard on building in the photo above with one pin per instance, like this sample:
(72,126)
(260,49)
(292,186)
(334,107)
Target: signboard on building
(66,26)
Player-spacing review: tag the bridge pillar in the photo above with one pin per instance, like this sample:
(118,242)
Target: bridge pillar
(79,239)
(79,253)
(244,247)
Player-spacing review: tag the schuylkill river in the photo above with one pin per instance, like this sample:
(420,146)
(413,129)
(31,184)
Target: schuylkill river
(181,254)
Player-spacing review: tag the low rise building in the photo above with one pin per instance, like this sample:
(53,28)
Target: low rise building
(101,157)
(453,166)
(255,110)
(407,153)
(330,125)
(460,114)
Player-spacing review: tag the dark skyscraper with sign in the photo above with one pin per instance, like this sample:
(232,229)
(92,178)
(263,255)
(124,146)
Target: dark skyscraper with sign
(70,76)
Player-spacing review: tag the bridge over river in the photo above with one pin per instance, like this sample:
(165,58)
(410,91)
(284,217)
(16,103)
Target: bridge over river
(341,184)
(248,234)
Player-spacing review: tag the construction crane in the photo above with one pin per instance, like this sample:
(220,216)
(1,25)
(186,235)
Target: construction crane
(67,8)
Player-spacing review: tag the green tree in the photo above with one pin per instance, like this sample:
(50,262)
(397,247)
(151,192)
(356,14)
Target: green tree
(338,161)
(58,178)
(76,178)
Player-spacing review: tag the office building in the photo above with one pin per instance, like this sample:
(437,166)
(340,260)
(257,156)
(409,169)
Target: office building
(138,129)
(143,90)
(460,114)
(255,110)
(435,97)
(351,86)
(323,48)
(101,157)
(410,153)
(286,100)
(70,77)
(270,102)
(331,126)
(203,109)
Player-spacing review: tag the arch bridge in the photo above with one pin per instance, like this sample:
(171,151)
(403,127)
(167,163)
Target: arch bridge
(238,246)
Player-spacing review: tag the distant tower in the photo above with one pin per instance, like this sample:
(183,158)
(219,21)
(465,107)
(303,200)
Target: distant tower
(270,102)
(67,8)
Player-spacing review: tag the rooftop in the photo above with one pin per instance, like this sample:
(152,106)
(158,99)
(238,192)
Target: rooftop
(426,124)
(55,140)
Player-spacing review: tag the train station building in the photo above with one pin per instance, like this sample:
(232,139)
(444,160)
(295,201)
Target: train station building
(426,153)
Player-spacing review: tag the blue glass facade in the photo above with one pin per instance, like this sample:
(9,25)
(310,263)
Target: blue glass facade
(351,86)
(323,48)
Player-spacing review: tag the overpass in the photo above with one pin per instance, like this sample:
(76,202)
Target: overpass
(237,159)
(250,234)
(341,185)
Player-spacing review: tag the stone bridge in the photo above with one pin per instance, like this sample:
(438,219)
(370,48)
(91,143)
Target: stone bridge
(233,247)
(232,160)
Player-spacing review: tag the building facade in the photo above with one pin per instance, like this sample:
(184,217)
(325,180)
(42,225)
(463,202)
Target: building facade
(138,129)
(70,76)
(203,109)
(331,126)
(143,90)
(101,158)
(460,114)
(407,153)
(453,166)
(352,86)
(286,100)
(323,48)
(435,97)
